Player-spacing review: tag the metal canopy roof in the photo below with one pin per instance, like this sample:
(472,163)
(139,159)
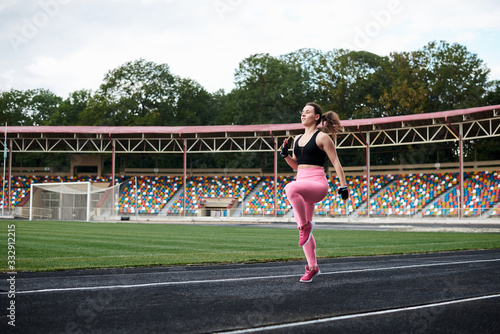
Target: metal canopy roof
(473,123)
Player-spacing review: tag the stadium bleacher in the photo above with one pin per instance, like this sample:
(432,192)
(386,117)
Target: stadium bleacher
(422,194)
(263,201)
(409,194)
(199,187)
(481,192)
(357,187)
(153,192)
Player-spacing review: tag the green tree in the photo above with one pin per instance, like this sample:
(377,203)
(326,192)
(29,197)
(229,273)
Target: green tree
(43,105)
(131,95)
(30,107)
(359,81)
(456,78)
(14,107)
(193,105)
(268,90)
(98,112)
(402,86)
(490,148)
(309,63)
(68,112)
(493,93)
(339,80)
(142,93)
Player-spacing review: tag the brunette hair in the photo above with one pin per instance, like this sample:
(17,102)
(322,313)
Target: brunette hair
(330,120)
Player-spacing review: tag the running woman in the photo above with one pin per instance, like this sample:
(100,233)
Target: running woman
(309,154)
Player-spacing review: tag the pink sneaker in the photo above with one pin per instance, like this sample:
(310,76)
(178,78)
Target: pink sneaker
(305,233)
(308,276)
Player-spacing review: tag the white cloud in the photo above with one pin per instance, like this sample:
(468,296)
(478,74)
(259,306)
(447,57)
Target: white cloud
(206,39)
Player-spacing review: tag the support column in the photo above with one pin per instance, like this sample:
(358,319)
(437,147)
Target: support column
(184,195)
(275,192)
(31,201)
(368,182)
(113,167)
(136,198)
(4,163)
(112,163)
(10,174)
(366,141)
(461,168)
(458,135)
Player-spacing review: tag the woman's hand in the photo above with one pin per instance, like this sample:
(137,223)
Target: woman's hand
(344,193)
(284,149)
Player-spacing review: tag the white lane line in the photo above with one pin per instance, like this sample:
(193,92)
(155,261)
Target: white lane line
(410,266)
(359,315)
(141,285)
(110,287)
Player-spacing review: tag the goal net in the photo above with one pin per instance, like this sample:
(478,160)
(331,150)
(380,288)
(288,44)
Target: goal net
(82,201)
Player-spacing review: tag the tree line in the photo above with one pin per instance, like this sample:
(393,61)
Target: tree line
(356,84)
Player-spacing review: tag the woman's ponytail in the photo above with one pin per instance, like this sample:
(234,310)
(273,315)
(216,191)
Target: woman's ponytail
(331,124)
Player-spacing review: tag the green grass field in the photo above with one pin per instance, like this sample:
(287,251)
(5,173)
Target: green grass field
(48,245)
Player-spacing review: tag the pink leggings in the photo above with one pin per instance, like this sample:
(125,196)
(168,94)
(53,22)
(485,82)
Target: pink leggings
(310,187)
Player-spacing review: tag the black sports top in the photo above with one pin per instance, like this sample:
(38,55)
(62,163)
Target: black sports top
(310,154)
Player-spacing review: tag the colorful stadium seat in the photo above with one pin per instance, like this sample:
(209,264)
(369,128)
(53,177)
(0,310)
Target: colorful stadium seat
(199,187)
(430,194)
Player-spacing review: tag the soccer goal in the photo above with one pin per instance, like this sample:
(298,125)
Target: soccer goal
(81,201)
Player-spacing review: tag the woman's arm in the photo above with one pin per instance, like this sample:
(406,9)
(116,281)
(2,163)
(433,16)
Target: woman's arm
(326,144)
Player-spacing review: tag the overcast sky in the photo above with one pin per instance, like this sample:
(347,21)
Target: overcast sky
(68,45)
